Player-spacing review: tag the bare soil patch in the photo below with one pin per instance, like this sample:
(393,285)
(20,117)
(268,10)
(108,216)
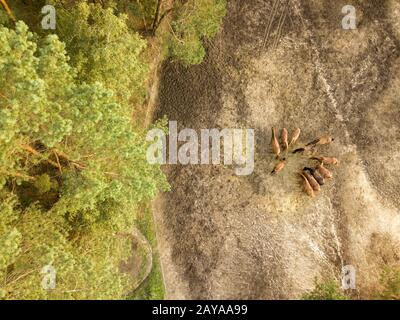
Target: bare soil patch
(259,237)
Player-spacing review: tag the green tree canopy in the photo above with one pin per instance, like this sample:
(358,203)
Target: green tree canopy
(193,21)
(102,48)
(72,171)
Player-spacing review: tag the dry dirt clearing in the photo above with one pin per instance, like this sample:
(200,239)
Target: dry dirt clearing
(286,64)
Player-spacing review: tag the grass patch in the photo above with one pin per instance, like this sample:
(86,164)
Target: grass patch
(153,288)
(325,290)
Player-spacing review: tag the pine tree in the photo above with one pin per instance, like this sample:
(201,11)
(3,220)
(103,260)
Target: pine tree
(72,172)
(103,49)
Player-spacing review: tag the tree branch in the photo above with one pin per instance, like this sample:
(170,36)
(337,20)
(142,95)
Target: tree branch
(8,10)
(37,153)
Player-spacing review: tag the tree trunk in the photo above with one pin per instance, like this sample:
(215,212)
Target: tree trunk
(155,21)
(8,10)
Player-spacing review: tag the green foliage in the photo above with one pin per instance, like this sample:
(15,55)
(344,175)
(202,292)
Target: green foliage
(10,237)
(75,138)
(390,281)
(141,9)
(325,290)
(86,269)
(103,49)
(194,20)
(4,18)
(44,184)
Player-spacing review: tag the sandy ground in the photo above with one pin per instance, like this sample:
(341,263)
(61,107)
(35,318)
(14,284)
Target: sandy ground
(259,237)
